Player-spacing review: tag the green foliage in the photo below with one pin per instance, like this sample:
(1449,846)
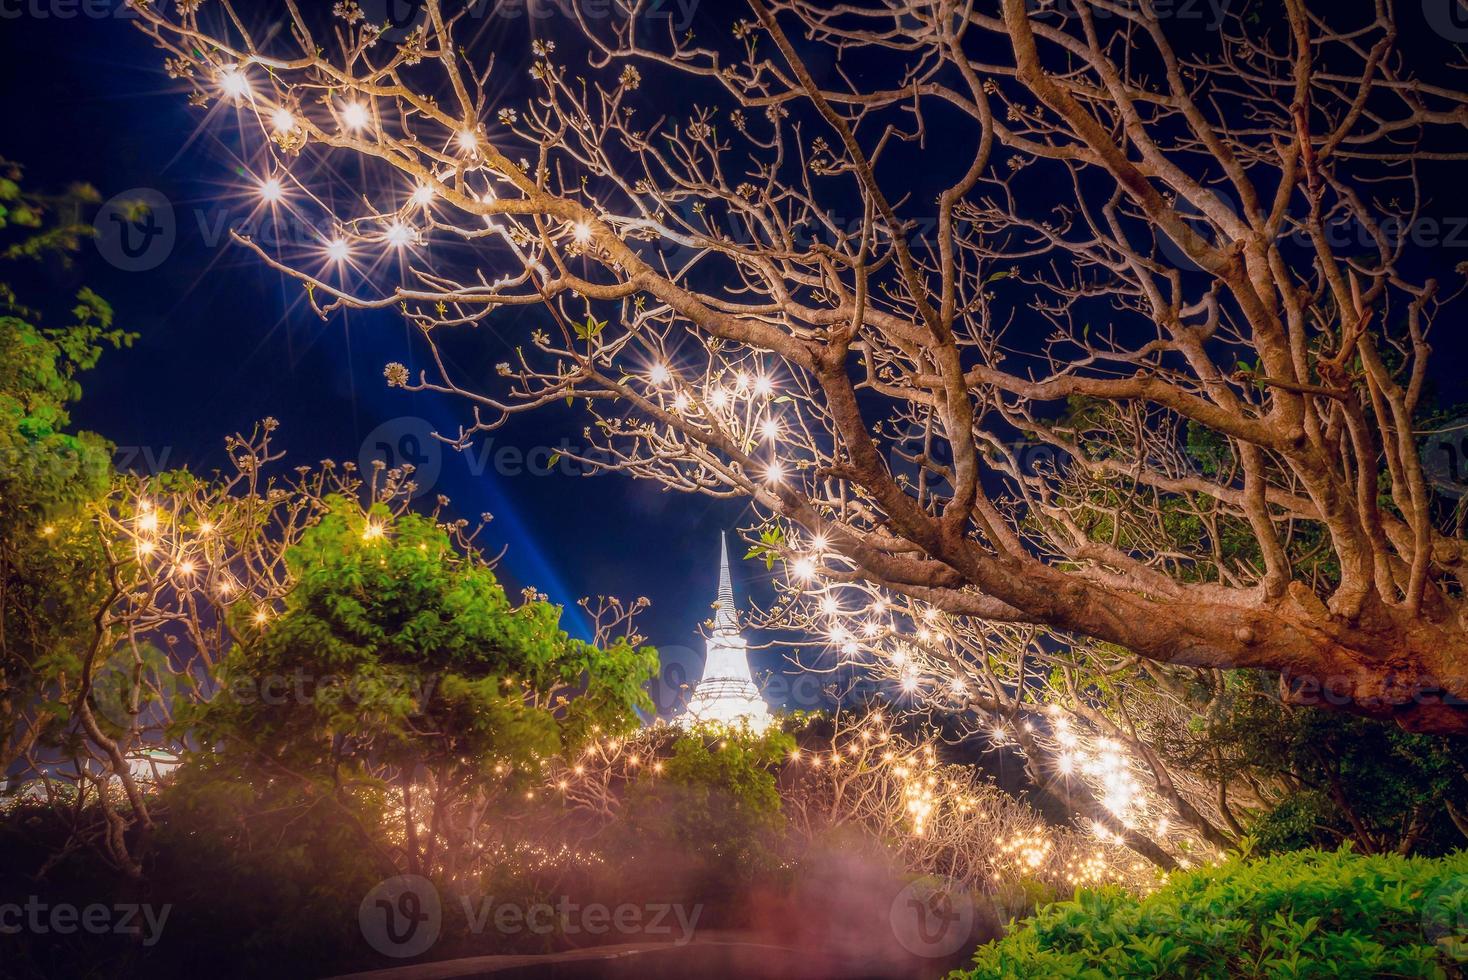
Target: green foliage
(38,226)
(716,801)
(769,547)
(395,649)
(46,469)
(274,870)
(50,564)
(1355,779)
(1306,914)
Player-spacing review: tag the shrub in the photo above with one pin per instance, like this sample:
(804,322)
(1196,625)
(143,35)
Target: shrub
(1304,914)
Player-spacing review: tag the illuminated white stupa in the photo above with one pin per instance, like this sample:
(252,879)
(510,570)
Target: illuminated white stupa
(727,695)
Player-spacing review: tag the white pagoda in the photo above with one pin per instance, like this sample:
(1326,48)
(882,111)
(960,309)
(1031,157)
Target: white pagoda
(727,695)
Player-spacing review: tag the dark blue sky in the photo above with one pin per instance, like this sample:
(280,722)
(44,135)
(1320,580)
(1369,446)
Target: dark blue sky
(225,342)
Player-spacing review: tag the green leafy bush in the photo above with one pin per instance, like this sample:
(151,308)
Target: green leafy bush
(1304,914)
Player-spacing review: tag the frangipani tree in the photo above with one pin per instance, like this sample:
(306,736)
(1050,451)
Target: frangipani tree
(868,252)
(854,776)
(309,634)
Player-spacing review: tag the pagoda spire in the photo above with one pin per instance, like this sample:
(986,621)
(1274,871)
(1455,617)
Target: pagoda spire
(727,694)
(725,618)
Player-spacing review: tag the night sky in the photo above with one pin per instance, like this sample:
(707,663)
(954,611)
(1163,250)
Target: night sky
(225,341)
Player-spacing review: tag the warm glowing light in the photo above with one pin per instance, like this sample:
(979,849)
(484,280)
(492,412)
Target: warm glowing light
(804,569)
(355,116)
(830,606)
(260,617)
(271,190)
(659,375)
(235,84)
(467,141)
(581,231)
(372,532)
(399,234)
(763,387)
(719,398)
(186,567)
(680,403)
(206,528)
(283,120)
(775,473)
(909,683)
(770,429)
(423,195)
(148,523)
(337,250)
